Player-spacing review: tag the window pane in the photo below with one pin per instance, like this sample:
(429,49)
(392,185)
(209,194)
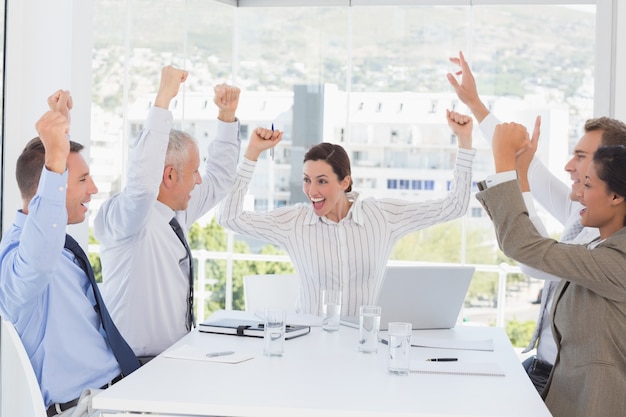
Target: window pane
(370,78)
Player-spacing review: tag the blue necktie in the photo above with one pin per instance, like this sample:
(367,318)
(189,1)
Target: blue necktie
(181,236)
(123,353)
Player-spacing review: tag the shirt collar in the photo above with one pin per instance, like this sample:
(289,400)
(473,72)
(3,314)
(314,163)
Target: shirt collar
(164,211)
(355,213)
(20,219)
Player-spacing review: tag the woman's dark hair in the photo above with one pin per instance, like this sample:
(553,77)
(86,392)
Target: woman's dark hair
(333,155)
(610,164)
(30,163)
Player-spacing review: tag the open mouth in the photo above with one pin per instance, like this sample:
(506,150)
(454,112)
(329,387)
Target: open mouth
(318,203)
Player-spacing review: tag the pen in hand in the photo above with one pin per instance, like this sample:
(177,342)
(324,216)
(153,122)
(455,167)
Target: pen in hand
(216,354)
(272,149)
(442,360)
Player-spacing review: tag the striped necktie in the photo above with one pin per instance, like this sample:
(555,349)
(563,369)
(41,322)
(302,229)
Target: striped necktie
(181,236)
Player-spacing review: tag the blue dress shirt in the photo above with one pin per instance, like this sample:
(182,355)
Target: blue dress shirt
(49,300)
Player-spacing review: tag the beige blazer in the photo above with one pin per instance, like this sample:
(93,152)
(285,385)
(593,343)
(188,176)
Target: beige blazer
(589,310)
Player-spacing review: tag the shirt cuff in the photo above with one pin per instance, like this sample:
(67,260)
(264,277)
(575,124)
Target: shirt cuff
(488,127)
(530,204)
(228,131)
(159,120)
(500,178)
(53,186)
(246,168)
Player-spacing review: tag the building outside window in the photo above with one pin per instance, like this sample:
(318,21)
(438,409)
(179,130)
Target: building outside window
(371,78)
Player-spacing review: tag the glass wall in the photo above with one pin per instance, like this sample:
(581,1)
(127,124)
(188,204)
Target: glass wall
(371,78)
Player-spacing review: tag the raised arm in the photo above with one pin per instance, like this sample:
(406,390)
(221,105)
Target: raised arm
(223,154)
(261,140)
(28,259)
(524,157)
(171,79)
(461,125)
(227,100)
(466,90)
(53,128)
(125,213)
(508,140)
(273,226)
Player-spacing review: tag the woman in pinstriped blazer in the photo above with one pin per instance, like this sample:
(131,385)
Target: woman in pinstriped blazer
(338,238)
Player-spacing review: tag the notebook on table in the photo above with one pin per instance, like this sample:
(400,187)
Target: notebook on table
(246,327)
(428,297)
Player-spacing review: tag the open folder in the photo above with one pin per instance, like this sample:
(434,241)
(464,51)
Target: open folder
(242,327)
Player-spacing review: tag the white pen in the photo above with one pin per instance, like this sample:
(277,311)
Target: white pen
(216,354)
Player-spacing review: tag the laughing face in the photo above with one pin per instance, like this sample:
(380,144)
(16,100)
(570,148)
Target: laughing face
(325,191)
(583,155)
(600,205)
(80,187)
(186,179)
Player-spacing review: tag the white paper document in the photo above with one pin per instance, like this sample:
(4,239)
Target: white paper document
(461,344)
(457,368)
(195,354)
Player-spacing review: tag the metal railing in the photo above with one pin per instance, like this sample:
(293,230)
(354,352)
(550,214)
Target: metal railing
(503,270)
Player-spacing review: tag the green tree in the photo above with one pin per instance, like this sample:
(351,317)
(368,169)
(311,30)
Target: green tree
(519,332)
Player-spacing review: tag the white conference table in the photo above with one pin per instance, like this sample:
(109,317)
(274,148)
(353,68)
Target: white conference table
(324,374)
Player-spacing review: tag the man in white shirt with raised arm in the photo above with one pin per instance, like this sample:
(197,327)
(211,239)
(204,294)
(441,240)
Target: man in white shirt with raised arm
(556,197)
(146,263)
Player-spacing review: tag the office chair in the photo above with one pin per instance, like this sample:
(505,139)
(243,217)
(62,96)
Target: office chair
(20,394)
(271,291)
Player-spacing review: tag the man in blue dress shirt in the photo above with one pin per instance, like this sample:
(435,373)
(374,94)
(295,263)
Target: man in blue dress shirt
(43,291)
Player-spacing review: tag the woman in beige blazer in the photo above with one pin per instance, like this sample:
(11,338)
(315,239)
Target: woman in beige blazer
(589,311)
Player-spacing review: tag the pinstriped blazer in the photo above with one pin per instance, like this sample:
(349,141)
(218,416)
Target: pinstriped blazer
(589,310)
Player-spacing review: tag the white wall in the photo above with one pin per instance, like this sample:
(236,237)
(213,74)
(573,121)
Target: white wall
(45,52)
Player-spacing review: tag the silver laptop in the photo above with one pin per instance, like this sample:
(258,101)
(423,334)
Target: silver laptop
(429,297)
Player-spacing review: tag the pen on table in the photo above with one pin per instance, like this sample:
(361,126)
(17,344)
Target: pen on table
(272,149)
(216,354)
(442,360)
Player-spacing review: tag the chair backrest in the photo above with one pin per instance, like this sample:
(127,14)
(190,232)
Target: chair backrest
(20,394)
(271,291)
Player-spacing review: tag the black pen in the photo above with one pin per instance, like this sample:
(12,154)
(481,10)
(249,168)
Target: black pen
(442,360)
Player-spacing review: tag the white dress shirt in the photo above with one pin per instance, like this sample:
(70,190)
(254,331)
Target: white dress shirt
(144,264)
(554,196)
(352,254)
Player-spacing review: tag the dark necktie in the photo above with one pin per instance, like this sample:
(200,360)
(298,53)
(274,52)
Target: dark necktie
(123,353)
(181,236)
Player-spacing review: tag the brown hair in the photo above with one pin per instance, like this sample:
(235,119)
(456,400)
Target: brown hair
(30,163)
(613,131)
(333,155)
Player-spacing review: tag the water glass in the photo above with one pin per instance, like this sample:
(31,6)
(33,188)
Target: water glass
(331,310)
(399,348)
(369,324)
(274,332)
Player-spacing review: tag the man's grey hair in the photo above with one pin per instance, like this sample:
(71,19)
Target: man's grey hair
(178,149)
